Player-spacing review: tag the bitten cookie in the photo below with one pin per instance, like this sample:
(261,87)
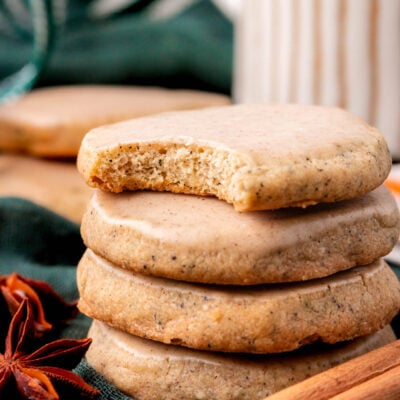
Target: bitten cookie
(259,319)
(51,122)
(253,156)
(148,370)
(199,239)
(53,184)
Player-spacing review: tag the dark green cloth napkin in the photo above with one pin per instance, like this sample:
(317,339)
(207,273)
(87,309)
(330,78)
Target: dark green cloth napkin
(40,244)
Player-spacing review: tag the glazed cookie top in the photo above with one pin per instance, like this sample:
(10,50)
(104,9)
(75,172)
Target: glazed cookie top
(201,239)
(253,156)
(52,121)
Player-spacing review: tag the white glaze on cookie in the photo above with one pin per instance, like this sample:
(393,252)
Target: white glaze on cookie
(205,240)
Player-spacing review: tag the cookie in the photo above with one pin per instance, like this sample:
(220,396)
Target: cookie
(200,239)
(258,319)
(254,156)
(51,122)
(55,185)
(148,370)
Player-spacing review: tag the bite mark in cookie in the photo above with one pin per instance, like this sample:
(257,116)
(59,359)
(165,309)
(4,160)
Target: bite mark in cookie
(253,156)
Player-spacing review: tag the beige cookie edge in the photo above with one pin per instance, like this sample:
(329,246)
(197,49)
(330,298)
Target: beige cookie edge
(147,370)
(263,319)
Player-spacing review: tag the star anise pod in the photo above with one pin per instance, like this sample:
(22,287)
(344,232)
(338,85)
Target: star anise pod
(45,373)
(49,308)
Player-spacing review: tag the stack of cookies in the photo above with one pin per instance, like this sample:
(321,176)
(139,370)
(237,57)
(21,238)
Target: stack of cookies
(235,250)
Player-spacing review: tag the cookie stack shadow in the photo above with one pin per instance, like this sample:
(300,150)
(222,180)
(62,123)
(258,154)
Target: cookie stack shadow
(195,298)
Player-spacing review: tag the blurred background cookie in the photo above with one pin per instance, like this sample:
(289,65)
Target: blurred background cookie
(56,185)
(51,122)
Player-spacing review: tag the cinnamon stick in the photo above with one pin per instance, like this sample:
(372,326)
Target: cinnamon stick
(385,386)
(378,368)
